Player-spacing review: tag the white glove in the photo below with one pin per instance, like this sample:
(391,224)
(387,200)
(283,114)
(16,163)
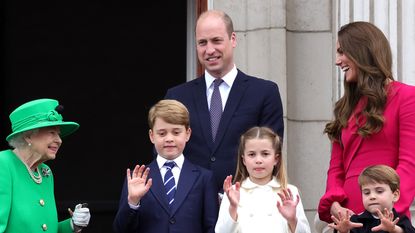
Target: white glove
(81,216)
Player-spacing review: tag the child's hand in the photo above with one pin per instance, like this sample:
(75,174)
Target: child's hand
(386,221)
(138,185)
(342,223)
(233,195)
(288,207)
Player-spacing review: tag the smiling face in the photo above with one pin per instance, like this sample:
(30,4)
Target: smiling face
(169,139)
(363,51)
(260,159)
(45,142)
(346,65)
(215,45)
(378,196)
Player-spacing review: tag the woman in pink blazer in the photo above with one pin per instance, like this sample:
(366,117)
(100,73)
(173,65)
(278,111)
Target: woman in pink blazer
(374,122)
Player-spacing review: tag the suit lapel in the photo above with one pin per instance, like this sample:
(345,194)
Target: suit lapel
(237,91)
(235,95)
(202,108)
(157,188)
(188,176)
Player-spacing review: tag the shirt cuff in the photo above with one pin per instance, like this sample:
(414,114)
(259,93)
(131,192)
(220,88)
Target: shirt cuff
(134,207)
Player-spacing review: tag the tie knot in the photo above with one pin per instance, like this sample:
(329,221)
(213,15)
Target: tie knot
(217,82)
(169,164)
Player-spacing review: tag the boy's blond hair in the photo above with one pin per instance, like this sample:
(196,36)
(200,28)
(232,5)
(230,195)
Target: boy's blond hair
(170,111)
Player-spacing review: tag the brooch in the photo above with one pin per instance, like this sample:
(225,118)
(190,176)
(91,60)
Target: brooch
(46,171)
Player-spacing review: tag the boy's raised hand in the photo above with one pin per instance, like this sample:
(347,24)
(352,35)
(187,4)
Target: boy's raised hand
(138,185)
(342,223)
(386,222)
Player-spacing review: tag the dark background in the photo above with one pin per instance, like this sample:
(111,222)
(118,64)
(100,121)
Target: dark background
(107,62)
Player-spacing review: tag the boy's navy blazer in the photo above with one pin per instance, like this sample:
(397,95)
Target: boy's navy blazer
(195,208)
(252,102)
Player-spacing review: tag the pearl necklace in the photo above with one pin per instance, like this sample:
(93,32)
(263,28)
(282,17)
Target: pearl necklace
(36,178)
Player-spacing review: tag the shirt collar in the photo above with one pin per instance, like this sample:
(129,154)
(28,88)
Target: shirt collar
(179,161)
(229,78)
(248,184)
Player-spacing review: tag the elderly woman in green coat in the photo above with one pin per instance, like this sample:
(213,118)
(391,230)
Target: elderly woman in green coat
(27,201)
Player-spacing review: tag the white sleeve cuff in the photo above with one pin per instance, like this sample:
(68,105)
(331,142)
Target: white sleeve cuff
(134,207)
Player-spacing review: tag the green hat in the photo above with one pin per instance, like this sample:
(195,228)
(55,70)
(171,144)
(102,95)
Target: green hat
(37,114)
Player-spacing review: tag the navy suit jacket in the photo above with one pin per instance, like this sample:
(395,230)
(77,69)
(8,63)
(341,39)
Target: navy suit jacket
(195,208)
(368,221)
(251,102)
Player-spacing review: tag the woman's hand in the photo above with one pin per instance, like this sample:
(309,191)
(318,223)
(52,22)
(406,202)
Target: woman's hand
(336,209)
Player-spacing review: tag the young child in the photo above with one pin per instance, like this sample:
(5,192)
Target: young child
(261,200)
(380,191)
(190,204)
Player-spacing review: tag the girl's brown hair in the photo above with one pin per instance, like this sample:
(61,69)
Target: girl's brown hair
(261,133)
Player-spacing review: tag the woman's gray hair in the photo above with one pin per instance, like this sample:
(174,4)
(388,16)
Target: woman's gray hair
(18,140)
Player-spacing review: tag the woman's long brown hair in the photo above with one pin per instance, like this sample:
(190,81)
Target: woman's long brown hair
(366,46)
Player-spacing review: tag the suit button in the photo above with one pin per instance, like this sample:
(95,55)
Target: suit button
(44,227)
(41,202)
(213,159)
(172,221)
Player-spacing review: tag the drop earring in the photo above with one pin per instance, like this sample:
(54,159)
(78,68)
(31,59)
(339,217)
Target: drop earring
(29,144)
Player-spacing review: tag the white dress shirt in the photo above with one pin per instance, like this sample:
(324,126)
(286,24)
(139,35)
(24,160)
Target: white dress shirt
(175,170)
(224,88)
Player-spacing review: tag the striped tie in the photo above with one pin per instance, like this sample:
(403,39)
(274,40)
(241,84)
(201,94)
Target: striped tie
(169,182)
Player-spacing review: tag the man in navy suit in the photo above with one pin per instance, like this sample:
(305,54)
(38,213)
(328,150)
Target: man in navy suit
(161,198)
(246,101)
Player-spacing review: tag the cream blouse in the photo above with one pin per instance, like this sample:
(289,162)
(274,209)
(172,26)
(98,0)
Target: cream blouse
(258,212)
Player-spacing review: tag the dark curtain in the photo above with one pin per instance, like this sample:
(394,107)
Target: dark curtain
(107,62)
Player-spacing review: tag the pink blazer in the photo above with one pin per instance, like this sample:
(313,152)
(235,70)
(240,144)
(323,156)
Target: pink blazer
(394,145)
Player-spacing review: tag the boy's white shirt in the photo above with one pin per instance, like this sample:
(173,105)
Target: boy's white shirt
(258,212)
(179,160)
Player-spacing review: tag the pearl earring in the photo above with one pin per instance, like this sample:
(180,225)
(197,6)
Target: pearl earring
(29,144)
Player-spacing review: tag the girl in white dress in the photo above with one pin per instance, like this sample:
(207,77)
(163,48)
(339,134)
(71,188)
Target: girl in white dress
(261,200)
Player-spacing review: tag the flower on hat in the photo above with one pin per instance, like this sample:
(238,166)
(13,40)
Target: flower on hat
(54,116)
